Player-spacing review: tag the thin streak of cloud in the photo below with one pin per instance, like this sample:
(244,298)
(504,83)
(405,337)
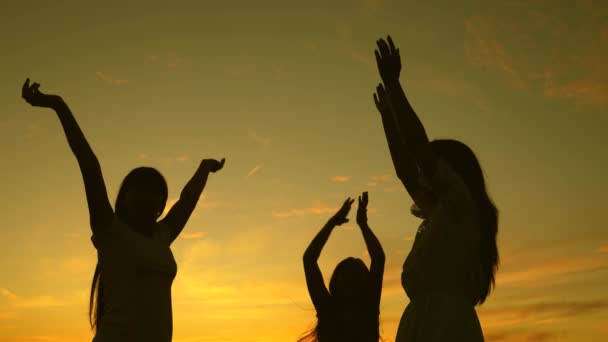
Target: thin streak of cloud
(253,171)
(259,139)
(602,249)
(110,79)
(344,34)
(340,179)
(304,211)
(541,273)
(192,235)
(382,178)
(543,312)
(32,302)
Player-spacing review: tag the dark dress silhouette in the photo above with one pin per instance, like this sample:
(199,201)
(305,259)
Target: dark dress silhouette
(450,268)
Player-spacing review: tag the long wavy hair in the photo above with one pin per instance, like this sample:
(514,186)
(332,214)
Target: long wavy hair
(464,162)
(350,272)
(139,179)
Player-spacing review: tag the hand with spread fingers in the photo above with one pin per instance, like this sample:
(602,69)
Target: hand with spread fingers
(388,60)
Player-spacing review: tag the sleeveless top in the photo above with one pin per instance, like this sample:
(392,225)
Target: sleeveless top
(137,273)
(445,255)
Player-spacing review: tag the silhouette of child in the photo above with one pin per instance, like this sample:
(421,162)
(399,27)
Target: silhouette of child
(349,310)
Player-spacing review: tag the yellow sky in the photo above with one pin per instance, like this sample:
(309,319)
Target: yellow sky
(284,93)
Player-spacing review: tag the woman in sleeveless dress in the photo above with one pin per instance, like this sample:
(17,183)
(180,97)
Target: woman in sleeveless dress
(350,309)
(451,266)
(131,291)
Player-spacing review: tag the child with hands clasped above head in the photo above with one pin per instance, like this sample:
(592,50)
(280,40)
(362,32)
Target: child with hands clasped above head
(350,309)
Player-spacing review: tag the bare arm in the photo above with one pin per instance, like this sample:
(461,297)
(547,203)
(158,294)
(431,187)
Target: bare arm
(409,126)
(100,210)
(406,167)
(314,279)
(374,248)
(178,215)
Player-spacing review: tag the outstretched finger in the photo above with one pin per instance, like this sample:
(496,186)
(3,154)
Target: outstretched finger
(391,44)
(376,101)
(384,50)
(25,88)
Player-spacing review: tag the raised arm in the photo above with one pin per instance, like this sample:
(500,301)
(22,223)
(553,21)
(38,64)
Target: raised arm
(409,125)
(403,161)
(314,279)
(178,215)
(100,210)
(374,248)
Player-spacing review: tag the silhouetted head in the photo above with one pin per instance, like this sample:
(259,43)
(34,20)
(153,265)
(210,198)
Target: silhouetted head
(464,162)
(349,284)
(142,196)
(352,311)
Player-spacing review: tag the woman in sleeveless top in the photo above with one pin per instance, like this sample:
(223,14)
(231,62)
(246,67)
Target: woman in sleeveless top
(451,266)
(131,291)
(350,309)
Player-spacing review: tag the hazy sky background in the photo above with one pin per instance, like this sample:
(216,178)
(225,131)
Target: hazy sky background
(283,91)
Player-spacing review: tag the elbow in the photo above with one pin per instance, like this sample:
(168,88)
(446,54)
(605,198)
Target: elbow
(309,258)
(379,258)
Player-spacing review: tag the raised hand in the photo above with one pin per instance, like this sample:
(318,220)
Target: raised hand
(388,60)
(381,99)
(33,96)
(340,217)
(362,210)
(212,165)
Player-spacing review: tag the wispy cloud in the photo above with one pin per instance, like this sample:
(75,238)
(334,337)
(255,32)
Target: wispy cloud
(540,312)
(340,179)
(259,139)
(540,274)
(192,235)
(602,249)
(170,59)
(253,171)
(483,48)
(583,91)
(110,80)
(521,335)
(372,5)
(345,38)
(305,211)
(31,302)
(182,158)
(382,178)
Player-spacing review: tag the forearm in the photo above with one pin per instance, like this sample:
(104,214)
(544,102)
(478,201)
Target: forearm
(316,246)
(195,186)
(76,139)
(404,164)
(374,248)
(409,125)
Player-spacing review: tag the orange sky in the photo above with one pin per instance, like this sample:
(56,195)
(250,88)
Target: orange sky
(284,92)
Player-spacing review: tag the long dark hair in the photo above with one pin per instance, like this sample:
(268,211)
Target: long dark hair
(464,162)
(368,318)
(141,178)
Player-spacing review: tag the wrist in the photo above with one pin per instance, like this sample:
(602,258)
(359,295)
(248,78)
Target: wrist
(58,104)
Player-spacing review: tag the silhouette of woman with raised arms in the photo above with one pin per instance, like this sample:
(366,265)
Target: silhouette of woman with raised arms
(135,269)
(450,268)
(350,310)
